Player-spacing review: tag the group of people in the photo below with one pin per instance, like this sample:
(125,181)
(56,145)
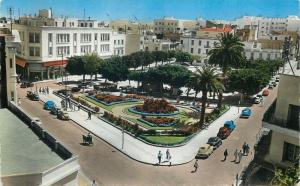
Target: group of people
(168,156)
(238,154)
(44,90)
(67,103)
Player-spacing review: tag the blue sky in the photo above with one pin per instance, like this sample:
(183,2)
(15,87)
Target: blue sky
(149,9)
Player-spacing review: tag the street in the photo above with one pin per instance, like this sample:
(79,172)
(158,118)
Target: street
(108,166)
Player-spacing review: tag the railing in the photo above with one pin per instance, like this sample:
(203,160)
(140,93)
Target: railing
(269,117)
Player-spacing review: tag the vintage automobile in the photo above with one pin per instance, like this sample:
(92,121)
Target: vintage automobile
(87,139)
(215,142)
(63,115)
(230,125)
(246,113)
(204,151)
(55,110)
(26,84)
(32,96)
(37,120)
(223,133)
(49,105)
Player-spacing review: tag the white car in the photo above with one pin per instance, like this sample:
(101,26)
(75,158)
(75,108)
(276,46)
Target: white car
(37,121)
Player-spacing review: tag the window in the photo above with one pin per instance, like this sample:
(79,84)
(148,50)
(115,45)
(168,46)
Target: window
(10,63)
(192,42)
(50,51)
(115,41)
(62,38)
(75,37)
(207,43)
(293,120)
(192,50)
(290,152)
(104,48)
(260,55)
(269,56)
(34,37)
(91,24)
(181,42)
(34,51)
(104,37)
(84,38)
(199,51)
(74,49)
(206,51)
(50,37)
(252,55)
(199,42)
(95,48)
(122,42)
(96,36)
(65,50)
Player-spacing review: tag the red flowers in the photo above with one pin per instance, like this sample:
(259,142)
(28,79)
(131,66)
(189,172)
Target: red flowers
(156,106)
(109,98)
(159,120)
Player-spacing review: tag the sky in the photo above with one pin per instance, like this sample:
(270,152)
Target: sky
(147,10)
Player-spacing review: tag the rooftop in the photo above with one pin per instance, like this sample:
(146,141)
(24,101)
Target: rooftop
(226,29)
(21,150)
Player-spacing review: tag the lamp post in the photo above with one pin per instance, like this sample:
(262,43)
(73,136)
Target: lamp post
(61,68)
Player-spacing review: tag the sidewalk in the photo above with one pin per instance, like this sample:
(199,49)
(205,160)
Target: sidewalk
(135,148)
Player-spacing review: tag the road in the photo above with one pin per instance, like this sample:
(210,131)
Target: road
(110,167)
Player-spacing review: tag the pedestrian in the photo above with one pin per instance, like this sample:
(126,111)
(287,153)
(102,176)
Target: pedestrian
(244,148)
(94,183)
(247,149)
(19,101)
(47,90)
(78,105)
(196,165)
(159,157)
(89,115)
(168,156)
(235,155)
(40,90)
(225,154)
(240,154)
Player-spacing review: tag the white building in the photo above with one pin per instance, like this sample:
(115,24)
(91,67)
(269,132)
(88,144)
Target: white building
(119,41)
(254,50)
(172,25)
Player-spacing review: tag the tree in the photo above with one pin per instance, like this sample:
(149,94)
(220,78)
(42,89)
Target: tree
(114,69)
(227,53)
(287,177)
(157,56)
(207,80)
(171,54)
(75,65)
(183,57)
(92,62)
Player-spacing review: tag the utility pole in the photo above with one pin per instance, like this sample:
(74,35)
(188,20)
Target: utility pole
(286,50)
(10,10)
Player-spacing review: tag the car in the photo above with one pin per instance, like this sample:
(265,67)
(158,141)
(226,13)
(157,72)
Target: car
(277,79)
(204,151)
(37,120)
(215,142)
(265,92)
(246,113)
(223,133)
(75,89)
(230,125)
(49,105)
(270,86)
(274,83)
(55,110)
(63,115)
(32,96)
(257,100)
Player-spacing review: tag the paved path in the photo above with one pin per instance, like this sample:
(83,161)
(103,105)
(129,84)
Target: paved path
(137,149)
(110,167)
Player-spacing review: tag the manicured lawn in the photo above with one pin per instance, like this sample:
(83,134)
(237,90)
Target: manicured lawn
(147,126)
(105,106)
(165,139)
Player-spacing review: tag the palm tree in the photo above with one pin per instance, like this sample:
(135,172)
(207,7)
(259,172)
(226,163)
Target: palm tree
(227,53)
(207,80)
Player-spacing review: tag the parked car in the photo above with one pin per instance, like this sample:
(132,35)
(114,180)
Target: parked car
(277,79)
(265,92)
(215,142)
(204,151)
(246,113)
(49,105)
(274,83)
(257,100)
(270,86)
(55,110)
(37,120)
(223,133)
(32,96)
(230,125)
(63,115)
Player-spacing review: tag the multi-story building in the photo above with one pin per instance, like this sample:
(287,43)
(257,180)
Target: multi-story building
(263,49)
(172,25)
(283,119)
(47,43)
(202,41)
(151,43)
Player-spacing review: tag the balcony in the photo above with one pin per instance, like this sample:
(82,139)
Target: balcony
(279,125)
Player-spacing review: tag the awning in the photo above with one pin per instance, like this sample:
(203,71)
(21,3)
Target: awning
(21,62)
(55,63)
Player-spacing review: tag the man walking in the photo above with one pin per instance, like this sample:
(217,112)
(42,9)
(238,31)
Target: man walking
(225,154)
(235,155)
(244,148)
(94,183)
(240,154)
(159,157)
(89,115)
(196,165)
(247,149)
(168,156)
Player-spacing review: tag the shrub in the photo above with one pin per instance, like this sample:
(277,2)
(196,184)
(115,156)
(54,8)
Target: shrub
(159,121)
(109,98)
(97,109)
(156,106)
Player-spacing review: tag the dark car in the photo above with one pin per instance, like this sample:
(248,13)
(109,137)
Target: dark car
(75,89)
(32,96)
(223,133)
(215,142)
(26,84)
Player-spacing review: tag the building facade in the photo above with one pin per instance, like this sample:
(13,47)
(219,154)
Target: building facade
(172,25)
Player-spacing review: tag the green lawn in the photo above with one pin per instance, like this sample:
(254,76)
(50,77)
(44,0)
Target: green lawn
(147,126)
(165,139)
(110,107)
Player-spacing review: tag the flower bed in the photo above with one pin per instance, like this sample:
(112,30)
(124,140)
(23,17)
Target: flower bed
(109,100)
(133,110)
(158,122)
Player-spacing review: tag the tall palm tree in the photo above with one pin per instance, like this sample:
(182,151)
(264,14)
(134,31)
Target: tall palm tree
(207,80)
(227,53)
